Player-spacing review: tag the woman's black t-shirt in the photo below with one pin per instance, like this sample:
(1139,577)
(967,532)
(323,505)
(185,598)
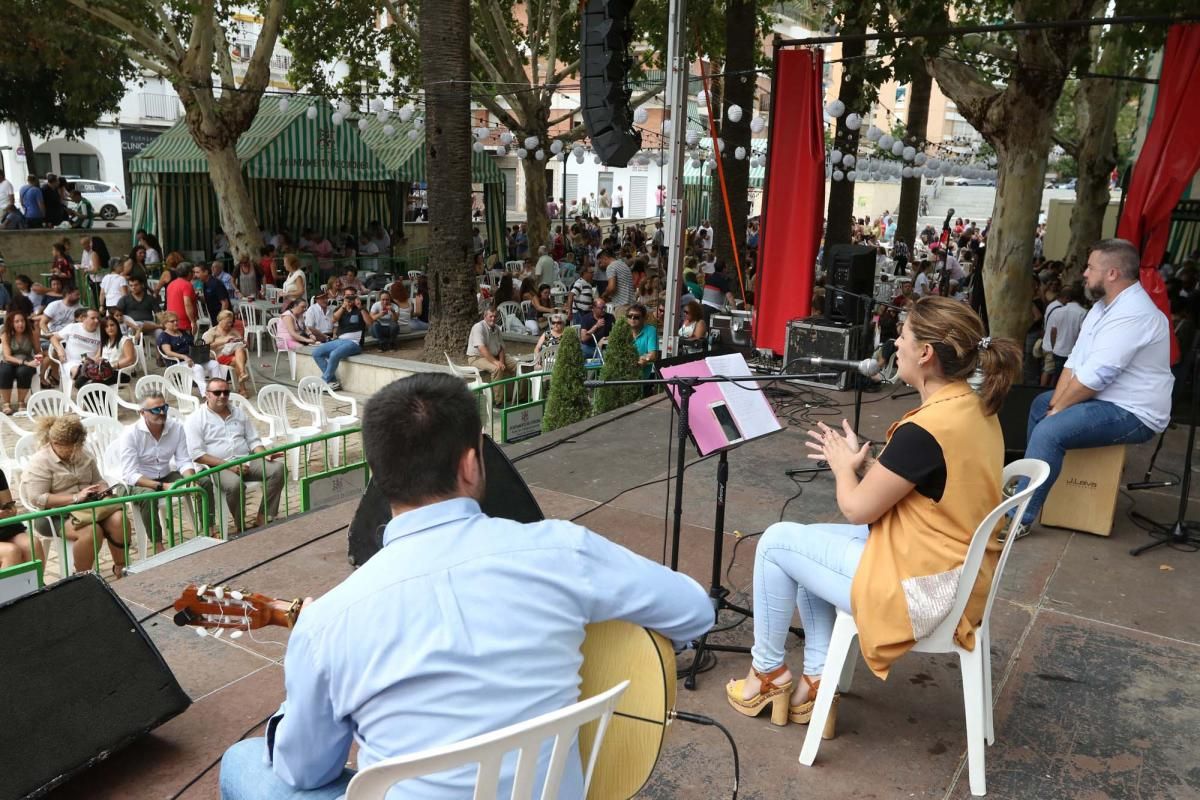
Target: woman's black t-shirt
(916,456)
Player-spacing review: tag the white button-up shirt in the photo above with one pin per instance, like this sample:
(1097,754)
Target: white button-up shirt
(143,456)
(318,319)
(226,439)
(1123,353)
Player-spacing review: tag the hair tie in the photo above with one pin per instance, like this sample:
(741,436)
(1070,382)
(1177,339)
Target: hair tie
(985,343)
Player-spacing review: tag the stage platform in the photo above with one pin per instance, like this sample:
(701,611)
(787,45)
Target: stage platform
(1094,652)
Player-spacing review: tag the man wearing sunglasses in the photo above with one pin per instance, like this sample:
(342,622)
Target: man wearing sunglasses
(154,454)
(218,433)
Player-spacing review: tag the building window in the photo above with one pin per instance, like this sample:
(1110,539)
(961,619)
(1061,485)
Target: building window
(901,97)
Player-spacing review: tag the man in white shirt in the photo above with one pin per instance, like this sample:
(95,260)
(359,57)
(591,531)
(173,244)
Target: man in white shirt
(618,206)
(77,341)
(485,352)
(1116,385)
(547,268)
(7,193)
(317,318)
(1063,326)
(154,454)
(60,313)
(706,229)
(218,433)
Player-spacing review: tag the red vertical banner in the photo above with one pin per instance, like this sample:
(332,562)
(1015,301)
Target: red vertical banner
(793,210)
(1167,162)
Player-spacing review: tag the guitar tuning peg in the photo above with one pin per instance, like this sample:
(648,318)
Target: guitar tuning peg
(201,589)
(235,635)
(236,595)
(201,632)
(219,591)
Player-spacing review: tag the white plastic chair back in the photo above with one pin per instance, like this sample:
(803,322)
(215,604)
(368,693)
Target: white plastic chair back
(311,391)
(202,318)
(274,401)
(180,380)
(272,293)
(50,403)
(465,371)
(97,400)
(274,325)
(139,361)
(413,274)
(510,308)
(488,751)
(250,324)
(24,449)
(239,401)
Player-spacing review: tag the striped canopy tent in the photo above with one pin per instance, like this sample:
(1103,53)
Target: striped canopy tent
(301,173)
(702,190)
(403,153)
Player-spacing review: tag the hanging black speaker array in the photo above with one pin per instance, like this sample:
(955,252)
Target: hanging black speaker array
(604,68)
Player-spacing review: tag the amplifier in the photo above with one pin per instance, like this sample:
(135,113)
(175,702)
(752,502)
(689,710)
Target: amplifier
(817,336)
(734,331)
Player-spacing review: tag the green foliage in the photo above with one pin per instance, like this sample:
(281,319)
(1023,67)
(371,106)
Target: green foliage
(55,76)
(568,402)
(620,364)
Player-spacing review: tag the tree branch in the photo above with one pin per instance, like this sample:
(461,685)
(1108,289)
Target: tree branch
(224,62)
(534,26)
(134,31)
(970,90)
(564,73)
(482,59)
(1071,148)
(493,20)
(169,30)
(552,55)
(258,72)
(506,119)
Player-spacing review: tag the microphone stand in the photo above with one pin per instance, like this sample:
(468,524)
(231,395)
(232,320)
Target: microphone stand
(686,387)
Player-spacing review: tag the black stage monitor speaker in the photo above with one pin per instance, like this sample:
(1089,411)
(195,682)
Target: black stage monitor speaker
(82,680)
(1014,418)
(851,268)
(604,69)
(506,496)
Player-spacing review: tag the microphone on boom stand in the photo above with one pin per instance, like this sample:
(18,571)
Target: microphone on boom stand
(866,367)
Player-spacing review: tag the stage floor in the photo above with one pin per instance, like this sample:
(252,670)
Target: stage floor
(1094,652)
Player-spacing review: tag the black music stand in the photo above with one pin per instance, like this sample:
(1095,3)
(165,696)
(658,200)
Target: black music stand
(686,387)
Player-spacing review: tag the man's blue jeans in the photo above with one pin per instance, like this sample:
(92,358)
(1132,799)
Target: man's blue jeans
(247,775)
(1092,423)
(329,354)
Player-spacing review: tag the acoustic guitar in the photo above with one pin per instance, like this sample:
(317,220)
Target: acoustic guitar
(612,652)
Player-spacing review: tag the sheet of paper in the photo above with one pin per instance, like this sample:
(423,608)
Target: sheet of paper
(746,401)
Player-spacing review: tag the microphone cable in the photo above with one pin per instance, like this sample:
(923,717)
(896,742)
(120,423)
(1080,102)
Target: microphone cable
(698,719)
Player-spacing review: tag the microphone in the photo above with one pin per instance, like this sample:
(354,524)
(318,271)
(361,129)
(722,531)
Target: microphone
(868,366)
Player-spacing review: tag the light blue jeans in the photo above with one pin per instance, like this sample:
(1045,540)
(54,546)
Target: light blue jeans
(329,354)
(809,567)
(1092,423)
(247,775)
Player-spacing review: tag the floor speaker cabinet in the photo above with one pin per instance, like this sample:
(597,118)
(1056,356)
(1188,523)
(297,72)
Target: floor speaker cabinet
(82,680)
(734,331)
(850,267)
(506,495)
(1014,418)
(818,336)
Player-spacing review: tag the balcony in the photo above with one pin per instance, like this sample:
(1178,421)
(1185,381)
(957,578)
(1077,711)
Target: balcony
(160,106)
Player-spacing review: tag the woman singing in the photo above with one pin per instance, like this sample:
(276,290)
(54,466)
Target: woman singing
(912,513)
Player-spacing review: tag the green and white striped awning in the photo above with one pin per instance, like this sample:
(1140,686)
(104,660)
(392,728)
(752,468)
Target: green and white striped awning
(702,175)
(404,152)
(280,144)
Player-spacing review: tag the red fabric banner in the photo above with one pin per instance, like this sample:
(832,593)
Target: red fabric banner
(1167,163)
(794,199)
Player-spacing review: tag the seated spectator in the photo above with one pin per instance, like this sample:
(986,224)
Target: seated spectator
(350,281)
(386,324)
(350,322)
(582,295)
(293,332)
(542,305)
(154,454)
(174,346)
(17,546)
(693,331)
(1115,388)
(420,300)
(318,318)
(485,352)
(76,343)
(116,350)
(61,473)
(21,357)
(218,433)
(138,307)
(228,345)
(594,328)
(408,311)
(551,338)
(645,338)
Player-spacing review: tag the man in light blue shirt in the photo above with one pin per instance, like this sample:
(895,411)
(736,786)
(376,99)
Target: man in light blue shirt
(1116,385)
(462,624)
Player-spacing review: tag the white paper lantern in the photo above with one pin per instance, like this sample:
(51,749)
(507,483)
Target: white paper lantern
(666,126)
(933,163)
(283,104)
(835,157)
(382,115)
(640,115)
(919,159)
(477,147)
(406,113)
(540,154)
(596,160)
(643,159)
(693,138)
(853,122)
(849,159)
(522,152)
(337,118)
(851,175)
(377,105)
(579,158)
(556,146)
(835,108)
(720,145)
(897,147)
(734,113)
(311,113)
(701,98)
(531,142)
(414,134)
(362,124)
(389,130)
(577,148)
(739,153)
(908,153)
(696,162)
(885,142)
(757,124)
(906,172)
(343,108)
(712,164)
(481,133)
(506,138)
(419,122)
(873,134)
(838,175)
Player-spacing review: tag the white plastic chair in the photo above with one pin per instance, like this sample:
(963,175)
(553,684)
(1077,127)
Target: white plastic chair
(510,308)
(203,320)
(273,326)
(976,665)
(239,401)
(65,381)
(251,326)
(180,381)
(276,402)
(514,266)
(138,365)
(312,391)
(102,432)
(102,400)
(474,379)
(272,293)
(489,749)
(413,274)
(49,403)
(8,459)
(158,383)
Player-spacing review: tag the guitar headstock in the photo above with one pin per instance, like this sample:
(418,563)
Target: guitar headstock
(219,608)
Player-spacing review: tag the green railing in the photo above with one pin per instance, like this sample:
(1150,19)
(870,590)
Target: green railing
(518,415)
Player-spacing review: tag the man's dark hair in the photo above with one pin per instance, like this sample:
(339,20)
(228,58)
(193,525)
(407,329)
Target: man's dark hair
(1124,255)
(415,431)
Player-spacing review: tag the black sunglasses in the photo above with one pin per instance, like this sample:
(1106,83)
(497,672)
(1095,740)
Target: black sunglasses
(219,392)
(633,316)
(157,411)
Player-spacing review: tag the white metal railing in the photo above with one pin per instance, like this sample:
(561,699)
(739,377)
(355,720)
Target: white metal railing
(160,106)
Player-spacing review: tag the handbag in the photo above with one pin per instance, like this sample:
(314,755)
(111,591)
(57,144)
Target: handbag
(200,353)
(96,371)
(85,516)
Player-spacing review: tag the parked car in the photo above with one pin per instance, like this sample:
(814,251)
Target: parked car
(106,198)
(1066,184)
